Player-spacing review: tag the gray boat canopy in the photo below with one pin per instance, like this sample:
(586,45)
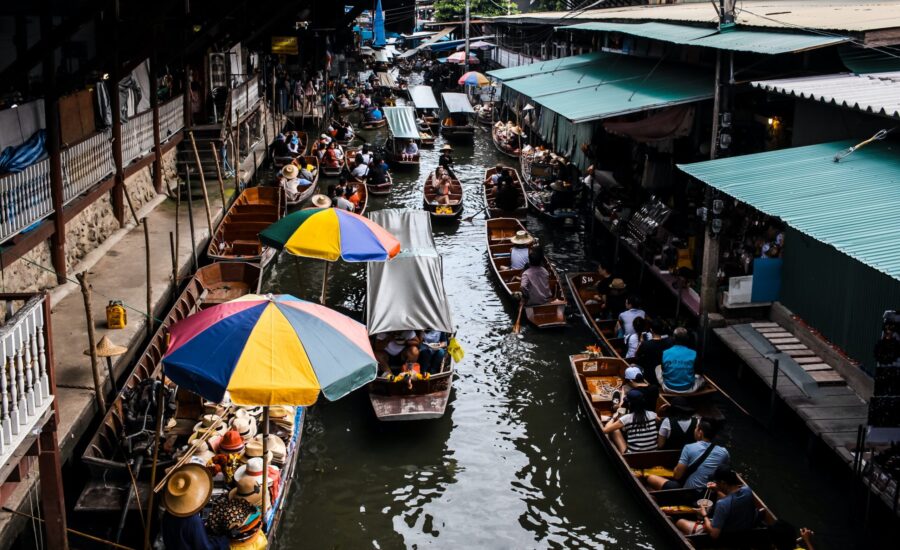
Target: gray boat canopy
(457,103)
(423,97)
(407,292)
(402,122)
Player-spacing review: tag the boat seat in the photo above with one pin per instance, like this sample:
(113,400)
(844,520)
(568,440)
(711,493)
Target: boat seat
(245,247)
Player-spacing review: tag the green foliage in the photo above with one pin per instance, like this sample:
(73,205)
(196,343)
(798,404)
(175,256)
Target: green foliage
(455,10)
(549,5)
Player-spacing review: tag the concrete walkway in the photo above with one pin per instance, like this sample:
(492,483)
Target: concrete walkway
(118,274)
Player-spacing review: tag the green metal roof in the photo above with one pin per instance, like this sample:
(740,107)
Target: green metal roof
(734,39)
(545,67)
(614,85)
(852,205)
(402,122)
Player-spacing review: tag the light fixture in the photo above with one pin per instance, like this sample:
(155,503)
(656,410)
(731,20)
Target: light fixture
(105,76)
(716,226)
(718,206)
(771,121)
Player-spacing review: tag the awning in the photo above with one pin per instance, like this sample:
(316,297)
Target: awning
(381,56)
(613,85)
(449,45)
(423,97)
(477,45)
(407,293)
(546,67)
(457,103)
(851,205)
(734,39)
(437,36)
(385,80)
(402,122)
(877,93)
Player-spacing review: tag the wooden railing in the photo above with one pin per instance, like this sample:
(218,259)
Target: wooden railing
(86,163)
(137,137)
(24,199)
(24,382)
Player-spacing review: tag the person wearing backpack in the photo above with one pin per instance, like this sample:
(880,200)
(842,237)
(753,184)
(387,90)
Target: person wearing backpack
(698,461)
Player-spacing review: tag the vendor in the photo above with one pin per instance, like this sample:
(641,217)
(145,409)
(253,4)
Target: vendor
(187,491)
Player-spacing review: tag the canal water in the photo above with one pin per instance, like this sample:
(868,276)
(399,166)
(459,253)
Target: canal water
(514,462)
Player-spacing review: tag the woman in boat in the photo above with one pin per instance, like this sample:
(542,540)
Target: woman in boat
(320,152)
(521,246)
(411,151)
(280,147)
(678,427)
(292,184)
(442,189)
(634,431)
(187,492)
(294,146)
(638,337)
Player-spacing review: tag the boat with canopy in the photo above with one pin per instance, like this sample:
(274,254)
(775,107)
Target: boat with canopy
(402,129)
(457,117)
(426,104)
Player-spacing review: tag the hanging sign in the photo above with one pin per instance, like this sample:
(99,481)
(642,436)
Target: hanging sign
(286,45)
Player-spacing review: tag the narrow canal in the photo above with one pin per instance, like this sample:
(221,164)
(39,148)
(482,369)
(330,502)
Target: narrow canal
(514,462)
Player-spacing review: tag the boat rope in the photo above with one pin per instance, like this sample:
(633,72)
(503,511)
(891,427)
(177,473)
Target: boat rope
(879,135)
(69,530)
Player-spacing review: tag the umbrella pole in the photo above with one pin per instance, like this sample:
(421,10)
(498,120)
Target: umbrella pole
(265,452)
(157,433)
(324,282)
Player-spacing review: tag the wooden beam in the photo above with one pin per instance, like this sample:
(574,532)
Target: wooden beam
(118,190)
(51,116)
(154,105)
(24,243)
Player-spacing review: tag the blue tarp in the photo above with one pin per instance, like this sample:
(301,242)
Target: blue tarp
(379,26)
(17,158)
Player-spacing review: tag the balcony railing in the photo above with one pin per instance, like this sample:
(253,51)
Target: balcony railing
(86,163)
(24,382)
(244,98)
(171,118)
(137,137)
(24,199)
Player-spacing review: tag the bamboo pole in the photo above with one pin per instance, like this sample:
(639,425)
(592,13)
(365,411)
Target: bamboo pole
(209,221)
(149,281)
(174,254)
(157,437)
(89,314)
(195,265)
(219,177)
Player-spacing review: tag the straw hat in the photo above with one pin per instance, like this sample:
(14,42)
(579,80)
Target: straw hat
(446,148)
(522,238)
(250,490)
(281,411)
(200,452)
(232,442)
(187,490)
(105,348)
(290,171)
(211,407)
(253,469)
(245,425)
(206,424)
(254,450)
(276,446)
(617,284)
(321,201)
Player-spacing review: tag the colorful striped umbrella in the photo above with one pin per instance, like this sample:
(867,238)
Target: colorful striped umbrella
(460,57)
(269,350)
(473,78)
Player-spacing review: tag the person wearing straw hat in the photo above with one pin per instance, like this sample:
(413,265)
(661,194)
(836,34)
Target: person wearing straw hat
(518,254)
(293,185)
(187,492)
(320,201)
(445,161)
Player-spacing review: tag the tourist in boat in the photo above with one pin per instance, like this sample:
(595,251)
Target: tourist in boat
(634,380)
(636,338)
(601,286)
(307,171)
(535,285)
(634,431)
(354,197)
(320,152)
(445,160)
(697,462)
(521,246)
(679,426)
(397,348)
(649,353)
(365,155)
(294,146)
(676,373)
(340,133)
(348,131)
(615,299)
(378,174)
(734,511)
(411,151)
(188,490)
(432,350)
(506,197)
(280,147)
(625,320)
(292,184)
(344,202)
(360,168)
(441,189)
(325,140)
(375,114)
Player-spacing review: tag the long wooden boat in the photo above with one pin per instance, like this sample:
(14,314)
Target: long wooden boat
(443,212)
(499,231)
(334,171)
(373,124)
(313,161)
(457,132)
(457,117)
(593,377)
(493,211)
(513,152)
(106,453)
(382,189)
(280,161)
(425,400)
(237,237)
(538,196)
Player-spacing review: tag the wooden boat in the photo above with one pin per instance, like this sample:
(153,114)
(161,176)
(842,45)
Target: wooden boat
(457,116)
(237,237)
(416,278)
(485,114)
(443,212)
(510,151)
(333,171)
(538,196)
(551,314)
(521,210)
(105,455)
(457,129)
(280,161)
(309,160)
(593,377)
(373,124)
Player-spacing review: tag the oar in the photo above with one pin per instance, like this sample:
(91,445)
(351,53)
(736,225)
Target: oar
(470,218)
(518,324)
(725,395)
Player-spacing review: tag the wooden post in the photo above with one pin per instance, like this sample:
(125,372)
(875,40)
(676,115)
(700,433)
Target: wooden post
(172,251)
(154,105)
(89,314)
(202,183)
(237,148)
(118,190)
(149,283)
(219,177)
(51,115)
(194,264)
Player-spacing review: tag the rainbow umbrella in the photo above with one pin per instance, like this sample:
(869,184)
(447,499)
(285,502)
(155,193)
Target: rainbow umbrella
(329,234)
(460,57)
(269,350)
(473,78)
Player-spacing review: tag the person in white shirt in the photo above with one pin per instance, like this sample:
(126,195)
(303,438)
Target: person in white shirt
(624,325)
(343,202)
(394,349)
(636,338)
(518,254)
(361,170)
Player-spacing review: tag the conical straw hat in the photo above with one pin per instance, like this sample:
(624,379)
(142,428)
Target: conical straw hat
(105,348)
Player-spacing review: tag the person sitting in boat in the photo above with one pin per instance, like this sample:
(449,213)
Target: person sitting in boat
(365,155)
(360,169)
(331,129)
(188,490)
(634,380)
(679,426)
(734,510)
(507,197)
(307,171)
(697,462)
(375,114)
(625,320)
(320,152)
(293,185)
(411,151)
(495,177)
(634,431)
(354,197)
(340,133)
(364,102)
(280,147)
(640,335)
(562,197)
(338,153)
(676,373)
(441,189)
(521,246)
(649,354)
(432,350)
(293,146)
(325,140)
(535,285)
(445,160)
(344,202)
(378,174)
(395,349)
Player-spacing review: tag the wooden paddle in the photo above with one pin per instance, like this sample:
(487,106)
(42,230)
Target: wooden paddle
(479,211)
(518,324)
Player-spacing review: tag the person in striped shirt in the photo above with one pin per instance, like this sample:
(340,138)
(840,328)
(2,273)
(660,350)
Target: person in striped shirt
(636,430)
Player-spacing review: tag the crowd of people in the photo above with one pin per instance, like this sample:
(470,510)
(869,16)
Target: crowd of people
(408,355)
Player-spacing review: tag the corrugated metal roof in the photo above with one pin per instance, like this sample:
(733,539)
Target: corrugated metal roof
(852,205)
(457,103)
(425,43)
(735,39)
(877,93)
(423,97)
(402,122)
(545,67)
(867,60)
(830,15)
(614,85)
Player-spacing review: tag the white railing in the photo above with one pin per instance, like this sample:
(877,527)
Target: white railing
(137,137)
(508,58)
(24,199)
(85,164)
(244,98)
(24,384)
(171,118)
